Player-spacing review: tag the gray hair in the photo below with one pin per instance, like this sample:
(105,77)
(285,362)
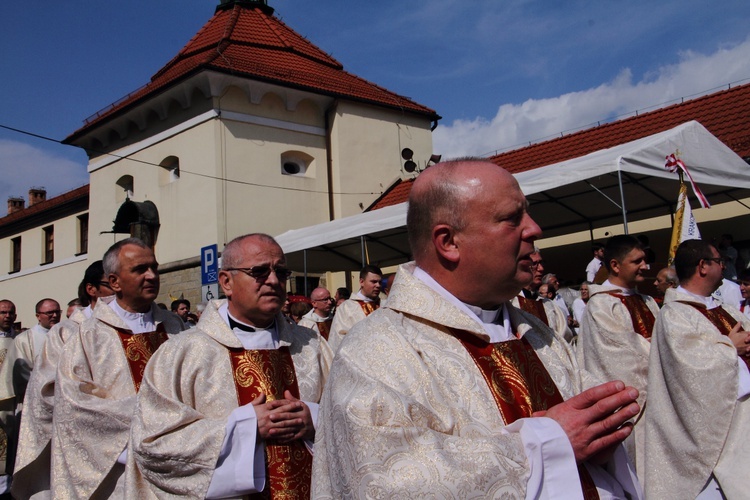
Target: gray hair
(111,259)
(232,254)
(548,277)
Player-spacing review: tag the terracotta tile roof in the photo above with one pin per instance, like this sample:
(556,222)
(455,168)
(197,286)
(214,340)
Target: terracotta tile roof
(725,114)
(43,206)
(247,40)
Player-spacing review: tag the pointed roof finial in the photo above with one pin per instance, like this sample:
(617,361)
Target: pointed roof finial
(261,4)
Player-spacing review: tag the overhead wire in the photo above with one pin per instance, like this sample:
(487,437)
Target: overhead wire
(208,176)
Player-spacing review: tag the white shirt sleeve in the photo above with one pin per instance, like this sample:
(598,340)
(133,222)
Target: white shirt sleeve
(554,472)
(241,468)
(743,388)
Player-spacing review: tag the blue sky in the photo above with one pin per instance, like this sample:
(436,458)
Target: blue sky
(501,73)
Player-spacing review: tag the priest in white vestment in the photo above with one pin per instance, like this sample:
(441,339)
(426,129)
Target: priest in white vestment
(8,437)
(448,391)
(29,344)
(698,413)
(230,407)
(615,334)
(319,319)
(32,471)
(358,306)
(99,373)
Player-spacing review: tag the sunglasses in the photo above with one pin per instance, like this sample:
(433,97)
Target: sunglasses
(261,273)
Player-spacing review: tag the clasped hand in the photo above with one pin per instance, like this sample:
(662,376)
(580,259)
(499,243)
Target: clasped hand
(283,420)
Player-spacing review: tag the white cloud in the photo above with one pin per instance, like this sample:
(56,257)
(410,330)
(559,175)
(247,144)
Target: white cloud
(23,166)
(515,125)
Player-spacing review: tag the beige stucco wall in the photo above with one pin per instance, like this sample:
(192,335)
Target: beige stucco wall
(58,280)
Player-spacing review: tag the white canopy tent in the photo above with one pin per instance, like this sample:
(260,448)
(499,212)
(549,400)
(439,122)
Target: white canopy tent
(616,185)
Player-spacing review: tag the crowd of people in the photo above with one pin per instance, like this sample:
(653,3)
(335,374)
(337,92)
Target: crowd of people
(470,373)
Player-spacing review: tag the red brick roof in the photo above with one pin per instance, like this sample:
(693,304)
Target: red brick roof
(245,39)
(43,206)
(725,114)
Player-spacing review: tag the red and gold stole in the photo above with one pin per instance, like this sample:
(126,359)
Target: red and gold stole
(718,317)
(533,307)
(368,307)
(271,372)
(641,316)
(519,383)
(324,327)
(139,347)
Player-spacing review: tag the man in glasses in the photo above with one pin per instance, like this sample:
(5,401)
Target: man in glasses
(449,391)
(30,342)
(32,470)
(540,305)
(100,372)
(358,306)
(698,413)
(229,408)
(615,334)
(319,318)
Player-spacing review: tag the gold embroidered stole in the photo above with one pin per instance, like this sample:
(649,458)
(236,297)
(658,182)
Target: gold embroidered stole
(718,317)
(324,327)
(139,347)
(271,372)
(641,316)
(533,307)
(368,307)
(519,383)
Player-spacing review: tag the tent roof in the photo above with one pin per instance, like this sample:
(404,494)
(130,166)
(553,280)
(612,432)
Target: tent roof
(564,197)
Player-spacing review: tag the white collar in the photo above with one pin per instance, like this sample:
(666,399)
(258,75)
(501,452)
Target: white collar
(137,322)
(709,301)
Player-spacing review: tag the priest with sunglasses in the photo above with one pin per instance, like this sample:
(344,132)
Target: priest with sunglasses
(230,408)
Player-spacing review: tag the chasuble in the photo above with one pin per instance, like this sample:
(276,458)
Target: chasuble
(696,425)
(97,379)
(189,394)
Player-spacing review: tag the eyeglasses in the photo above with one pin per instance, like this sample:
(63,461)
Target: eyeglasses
(537,263)
(261,273)
(105,283)
(51,313)
(327,299)
(717,260)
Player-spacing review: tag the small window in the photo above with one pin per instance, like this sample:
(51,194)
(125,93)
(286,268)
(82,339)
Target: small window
(49,244)
(296,163)
(83,234)
(170,170)
(15,251)
(124,189)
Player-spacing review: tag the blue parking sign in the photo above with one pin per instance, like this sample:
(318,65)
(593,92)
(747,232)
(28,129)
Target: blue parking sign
(209,264)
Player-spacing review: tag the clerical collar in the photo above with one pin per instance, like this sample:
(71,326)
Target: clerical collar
(622,289)
(137,322)
(8,334)
(709,301)
(235,324)
(529,294)
(359,296)
(496,322)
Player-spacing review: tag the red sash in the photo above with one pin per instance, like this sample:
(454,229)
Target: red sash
(641,316)
(288,466)
(519,383)
(324,327)
(721,319)
(368,307)
(533,307)
(139,347)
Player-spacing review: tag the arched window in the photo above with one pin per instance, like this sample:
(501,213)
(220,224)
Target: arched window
(170,170)
(124,188)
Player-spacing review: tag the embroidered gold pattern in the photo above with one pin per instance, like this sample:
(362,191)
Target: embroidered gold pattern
(641,316)
(289,466)
(138,350)
(368,307)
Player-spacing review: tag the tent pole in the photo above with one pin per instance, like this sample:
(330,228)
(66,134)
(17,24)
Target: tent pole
(362,248)
(304,257)
(622,200)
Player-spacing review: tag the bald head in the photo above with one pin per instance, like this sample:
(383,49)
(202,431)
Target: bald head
(321,301)
(467,220)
